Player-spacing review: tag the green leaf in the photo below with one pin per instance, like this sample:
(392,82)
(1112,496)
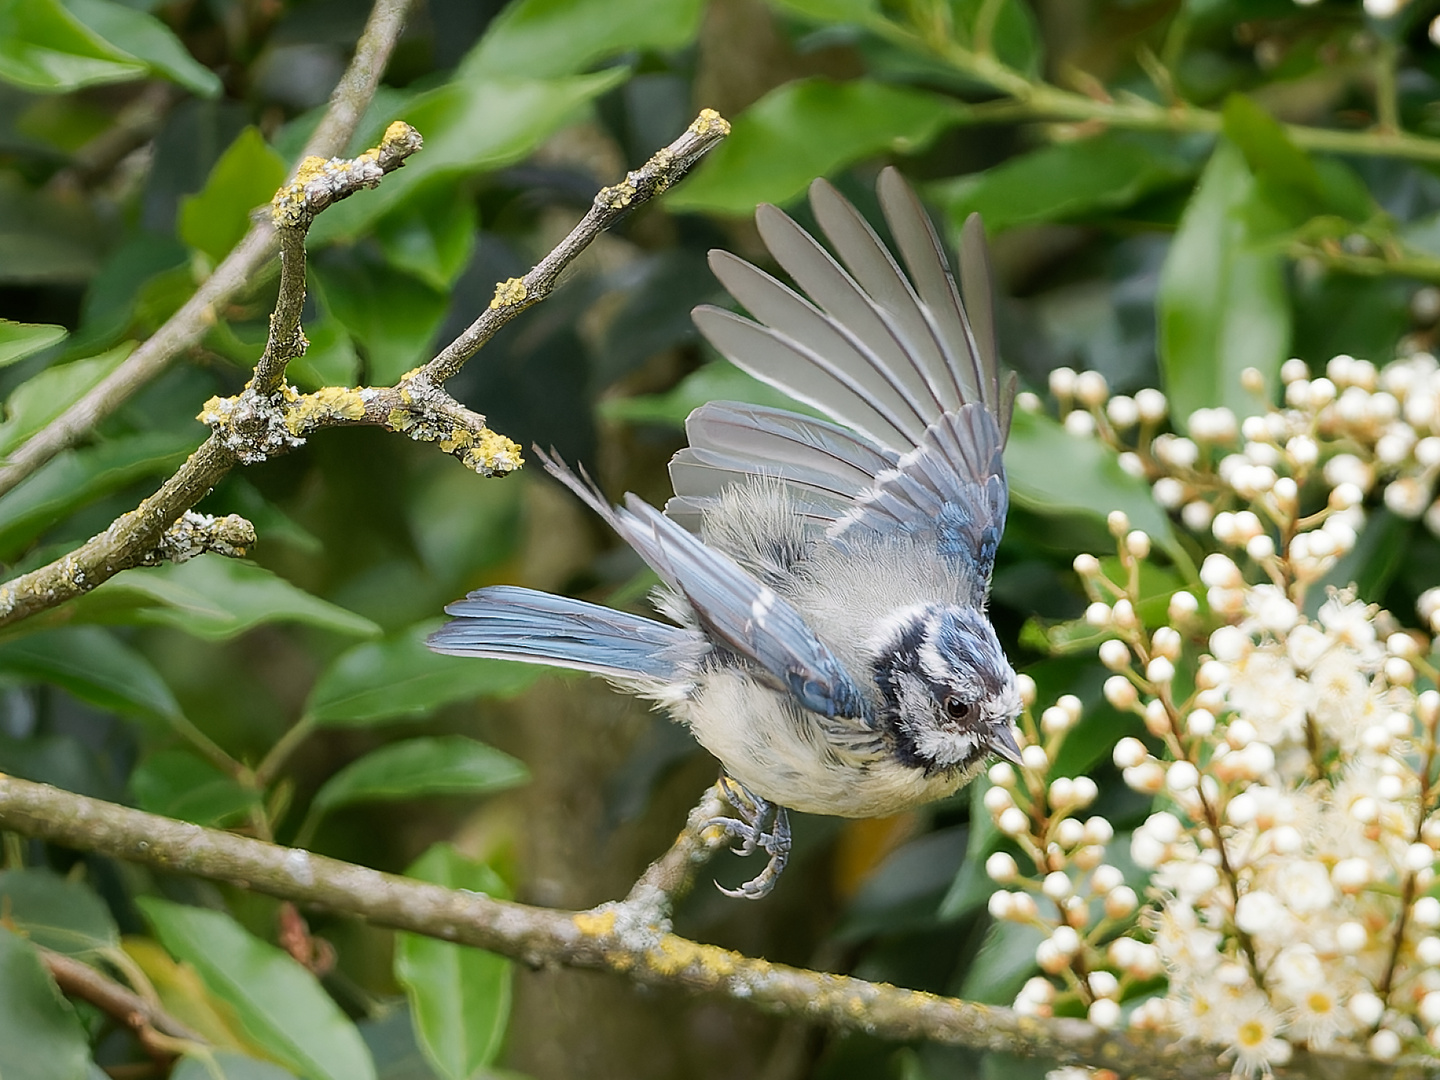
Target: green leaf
(836,11)
(719,380)
(246,176)
(46,238)
(540,38)
(470,126)
(400,678)
(74,478)
(442,765)
(41,1038)
(1066,180)
(1014,37)
(56,913)
(279,1004)
(806,129)
(43,397)
(227,1065)
(430,236)
(1003,964)
(1222,301)
(19,340)
(45,48)
(95,666)
(393,315)
(146,38)
(330,360)
(215,598)
(460,997)
(181,784)
(1052,471)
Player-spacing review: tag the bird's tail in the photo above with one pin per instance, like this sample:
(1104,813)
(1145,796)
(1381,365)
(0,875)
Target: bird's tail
(505,622)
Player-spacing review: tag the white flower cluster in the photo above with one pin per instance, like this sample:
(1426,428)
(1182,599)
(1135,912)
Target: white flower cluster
(1292,759)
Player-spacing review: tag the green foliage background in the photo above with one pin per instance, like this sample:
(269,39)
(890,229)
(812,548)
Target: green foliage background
(1159,226)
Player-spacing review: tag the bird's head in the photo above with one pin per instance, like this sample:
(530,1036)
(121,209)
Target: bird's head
(949,694)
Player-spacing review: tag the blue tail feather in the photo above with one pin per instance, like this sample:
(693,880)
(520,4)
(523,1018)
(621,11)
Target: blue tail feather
(505,622)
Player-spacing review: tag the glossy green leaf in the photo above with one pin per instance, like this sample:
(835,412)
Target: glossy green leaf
(246,176)
(807,129)
(1052,471)
(440,765)
(1014,32)
(430,236)
(540,38)
(279,1004)
(1222,302)
(56,913)
(719,380)
(1003,964)
(400,678)
(459,997)
(470,126)
(330,360)
(146,38)
(215,598)
(393,315)
(1066,180)
(95,666)
(180,784)
(41,1038)
(19,340)
(46,49)
(74,478)
(228,1065)
(43,397)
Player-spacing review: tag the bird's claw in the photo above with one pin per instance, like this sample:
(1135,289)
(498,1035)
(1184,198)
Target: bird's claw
(749,829)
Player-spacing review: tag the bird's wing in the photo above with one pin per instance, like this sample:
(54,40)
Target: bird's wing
(738,612)
(895,356)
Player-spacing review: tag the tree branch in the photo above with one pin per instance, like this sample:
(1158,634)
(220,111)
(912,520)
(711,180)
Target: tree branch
(188,325)
(625,938)
(159,1033)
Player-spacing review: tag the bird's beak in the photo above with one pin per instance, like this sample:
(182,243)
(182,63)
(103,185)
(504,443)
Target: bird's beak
(1003,743)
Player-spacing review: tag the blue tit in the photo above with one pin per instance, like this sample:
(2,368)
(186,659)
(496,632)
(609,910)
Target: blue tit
(825,583)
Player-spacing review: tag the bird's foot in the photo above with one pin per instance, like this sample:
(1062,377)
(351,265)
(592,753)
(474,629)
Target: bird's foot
(749,828)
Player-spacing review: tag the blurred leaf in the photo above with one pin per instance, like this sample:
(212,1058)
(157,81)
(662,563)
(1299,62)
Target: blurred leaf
(1052,471)
(400,678)
(461,523)
(972,887)
(440,765)
(539,38)
(45,48)
(41,1038)
(330,360)
(843,11)
(470,126)
(146,38)
(806,129)
(718,380)
(1295,184)
(18,340)
(1380,553)
(95,666)
(56,913)
(393,315)
(246,176)
(1014,36)
(1066,180)
(185,997)
(215,598)
(74,478)
(228,1066)
(277,1002)
(460,997)
(180,784)
(1222,303)
(43,397)
(1004,962)
(46,238)
(431,235)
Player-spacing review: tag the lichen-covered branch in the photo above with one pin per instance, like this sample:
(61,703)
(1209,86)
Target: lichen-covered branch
(623,938)
(662,171)
(188,325)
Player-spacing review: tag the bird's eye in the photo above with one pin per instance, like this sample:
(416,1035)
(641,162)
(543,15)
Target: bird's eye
(956,709)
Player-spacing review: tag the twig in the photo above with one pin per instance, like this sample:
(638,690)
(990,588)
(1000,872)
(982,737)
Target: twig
(663,170)
(620,939)
(159,1033)
(183,329)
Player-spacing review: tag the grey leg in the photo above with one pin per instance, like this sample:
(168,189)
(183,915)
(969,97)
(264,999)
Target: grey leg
(749,829)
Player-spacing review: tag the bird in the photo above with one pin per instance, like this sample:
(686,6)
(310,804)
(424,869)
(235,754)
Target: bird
(824,582)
